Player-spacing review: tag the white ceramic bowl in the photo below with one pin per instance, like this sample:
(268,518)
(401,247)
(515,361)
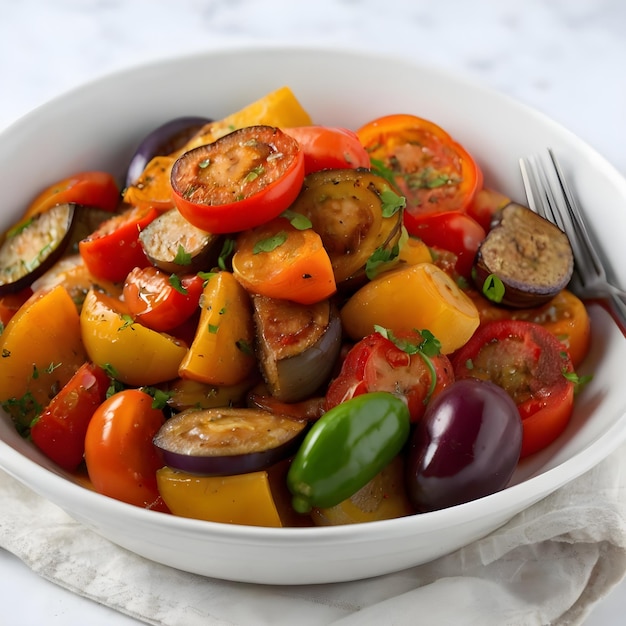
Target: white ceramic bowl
(98,126)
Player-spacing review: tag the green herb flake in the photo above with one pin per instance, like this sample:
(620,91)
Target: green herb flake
(228,247)
(391,202)
(378,259)
(23,411)
(213,328)
(493,288)
(128,321)
(182,256)
(114,385)
(579,381)
(380,168)
(159,397)
(206,276)
(245,347)
(254,173)
(204,164)
(270,243)
(176,283)
(297,220)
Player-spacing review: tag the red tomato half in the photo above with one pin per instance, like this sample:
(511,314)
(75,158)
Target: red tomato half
(121,459)
(239,181)
(114,249)
(454,231)
(376,364)
(433,172)
(95,189)
(160,301)
(60,430)
(329,148)
(529,363)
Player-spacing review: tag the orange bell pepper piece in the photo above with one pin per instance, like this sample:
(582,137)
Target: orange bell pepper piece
(279,261)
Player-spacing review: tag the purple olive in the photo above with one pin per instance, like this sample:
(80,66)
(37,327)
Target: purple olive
(165,139)
(466,446)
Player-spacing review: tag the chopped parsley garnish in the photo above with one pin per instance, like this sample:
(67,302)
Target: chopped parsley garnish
(228,248)
(493,288)
(297,220)
(391,202)
(176,283)
(182,256)
(254,173)
(270,243)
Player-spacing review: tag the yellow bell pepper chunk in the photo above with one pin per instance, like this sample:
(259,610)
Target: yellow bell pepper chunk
(421,297)
(138,355)
(222,349)
(383,497)
(279,108)
(40,350)
(414,251)
(239,499)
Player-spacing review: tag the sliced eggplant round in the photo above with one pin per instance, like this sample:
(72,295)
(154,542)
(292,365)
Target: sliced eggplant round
(528,254)
(165,139)
(348,210)
(298,345)
(32,246)
(176,246)
(227,441)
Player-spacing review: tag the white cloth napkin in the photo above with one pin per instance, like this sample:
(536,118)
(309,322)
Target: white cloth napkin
(548,565)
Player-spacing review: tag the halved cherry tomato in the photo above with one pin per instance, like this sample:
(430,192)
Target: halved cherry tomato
(565,316)
(240,181)
(329,148)
(95,189)
(60,430)
(159,300)
(377,364)
(121,459)
(433,172)
(114,249)
(529,363)
(454,231)
(279,261)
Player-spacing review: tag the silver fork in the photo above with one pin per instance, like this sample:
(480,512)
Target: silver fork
(550,196)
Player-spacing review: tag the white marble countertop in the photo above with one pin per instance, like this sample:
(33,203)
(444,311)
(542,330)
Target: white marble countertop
(563,57)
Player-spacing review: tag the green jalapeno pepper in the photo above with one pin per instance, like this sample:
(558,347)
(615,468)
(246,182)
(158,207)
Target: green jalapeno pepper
(346,448)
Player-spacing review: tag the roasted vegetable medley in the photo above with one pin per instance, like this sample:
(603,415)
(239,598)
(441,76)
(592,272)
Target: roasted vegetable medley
(277,323)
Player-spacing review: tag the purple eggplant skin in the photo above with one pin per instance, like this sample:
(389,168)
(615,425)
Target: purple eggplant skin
(227,441)
(33,246)
(163,140)
(466,446)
